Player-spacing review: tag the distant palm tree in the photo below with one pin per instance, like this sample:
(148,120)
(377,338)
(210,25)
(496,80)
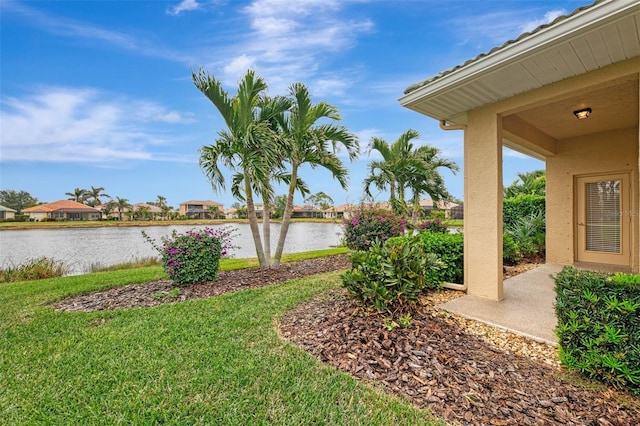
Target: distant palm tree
(94,194)
(122,204)
(108,207)
(78,195)
(405,168)
(162,203)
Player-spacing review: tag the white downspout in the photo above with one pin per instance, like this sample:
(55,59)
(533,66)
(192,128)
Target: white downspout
(444,125)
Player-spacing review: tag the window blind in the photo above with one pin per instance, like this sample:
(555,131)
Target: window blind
(603,216)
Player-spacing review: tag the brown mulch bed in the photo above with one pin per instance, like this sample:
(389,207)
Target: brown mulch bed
(463,371)
(162,292)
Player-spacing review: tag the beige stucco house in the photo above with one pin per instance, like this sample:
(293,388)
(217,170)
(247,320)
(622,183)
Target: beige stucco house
(201,209)
(566,93)
(7,213)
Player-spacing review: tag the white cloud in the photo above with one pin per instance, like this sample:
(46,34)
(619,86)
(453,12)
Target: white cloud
(183,6)
(548,17)
(78,125)
(288,41)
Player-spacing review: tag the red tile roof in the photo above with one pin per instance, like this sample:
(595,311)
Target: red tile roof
(66,205)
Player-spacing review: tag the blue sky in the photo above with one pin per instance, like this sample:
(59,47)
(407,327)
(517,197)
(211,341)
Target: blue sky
(99,93)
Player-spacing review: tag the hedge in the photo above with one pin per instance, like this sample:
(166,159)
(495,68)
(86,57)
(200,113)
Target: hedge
(599,325)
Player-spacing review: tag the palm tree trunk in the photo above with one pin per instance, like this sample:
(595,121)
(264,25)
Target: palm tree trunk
(253,224)
(266,230)
(286,217)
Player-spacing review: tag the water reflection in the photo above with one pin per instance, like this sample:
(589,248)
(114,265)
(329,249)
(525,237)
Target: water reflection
(79,248)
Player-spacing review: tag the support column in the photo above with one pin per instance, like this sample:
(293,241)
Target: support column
(483,205)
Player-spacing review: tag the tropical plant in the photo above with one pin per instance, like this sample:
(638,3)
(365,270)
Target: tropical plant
(405,168)
(162,203)
(528,183)
(78,195)
(247,146)
(122,204)
(93,195)
(308,142)
(391,275)
(193,257)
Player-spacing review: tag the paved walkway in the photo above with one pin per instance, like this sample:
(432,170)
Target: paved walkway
(527,308)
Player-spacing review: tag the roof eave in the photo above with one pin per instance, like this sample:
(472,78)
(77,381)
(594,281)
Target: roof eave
(527,45)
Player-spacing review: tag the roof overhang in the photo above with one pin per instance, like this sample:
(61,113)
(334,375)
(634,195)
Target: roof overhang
(590,38)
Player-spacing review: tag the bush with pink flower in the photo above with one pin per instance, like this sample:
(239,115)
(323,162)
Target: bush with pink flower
(193,257)
(369,224)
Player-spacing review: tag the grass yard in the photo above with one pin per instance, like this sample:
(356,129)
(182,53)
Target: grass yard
(210,361)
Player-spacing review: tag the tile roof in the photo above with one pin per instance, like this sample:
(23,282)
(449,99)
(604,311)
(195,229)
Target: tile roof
(67,205)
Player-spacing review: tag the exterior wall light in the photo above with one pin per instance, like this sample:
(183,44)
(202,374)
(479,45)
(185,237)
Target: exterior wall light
(582,114)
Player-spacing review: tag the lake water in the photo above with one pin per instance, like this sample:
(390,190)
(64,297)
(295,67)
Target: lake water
(79,248)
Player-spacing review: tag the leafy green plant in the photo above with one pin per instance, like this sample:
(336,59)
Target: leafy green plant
(193,257)
(523,205)
(391,275)
(449,249)
(368,224)
(33,269)
(528,233)
(167,295)
(405,320)
(510,251)
(598,327)
(437,214)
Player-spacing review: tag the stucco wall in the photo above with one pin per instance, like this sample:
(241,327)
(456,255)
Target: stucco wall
(615,151)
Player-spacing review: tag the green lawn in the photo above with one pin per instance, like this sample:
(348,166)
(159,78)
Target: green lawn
(212,361)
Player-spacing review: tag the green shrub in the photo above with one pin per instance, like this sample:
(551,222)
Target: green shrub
(599,325)
(524,205)
(528,233)
(391,275)
(370,224)
(21,217)
(510,251)
(33,269)
(437,214)
(449,248)
(193,257)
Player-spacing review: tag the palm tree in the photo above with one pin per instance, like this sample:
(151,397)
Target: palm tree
(531,183)
(307,142)
(403,168)
(108,207)
(94,195)
(162,203)
(122,204)
(247,146)
(426,178)
(78,195)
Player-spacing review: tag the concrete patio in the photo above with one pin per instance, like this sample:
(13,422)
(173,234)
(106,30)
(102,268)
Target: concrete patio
(527,308)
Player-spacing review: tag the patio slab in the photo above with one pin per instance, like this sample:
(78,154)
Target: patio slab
(527,308)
